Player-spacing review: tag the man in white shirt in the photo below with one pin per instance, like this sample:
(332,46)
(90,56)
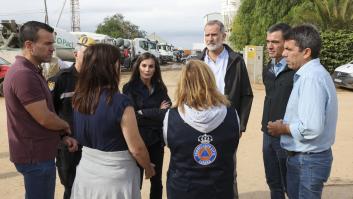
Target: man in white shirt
(231,75)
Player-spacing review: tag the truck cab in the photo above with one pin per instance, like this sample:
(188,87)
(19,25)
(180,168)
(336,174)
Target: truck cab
(134,48)
(165,52)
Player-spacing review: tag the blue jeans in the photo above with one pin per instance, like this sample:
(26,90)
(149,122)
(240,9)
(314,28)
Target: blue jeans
(39,179)
(275,159)
(306,174)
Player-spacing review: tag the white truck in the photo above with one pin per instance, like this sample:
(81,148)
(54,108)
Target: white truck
(65,42)
(136,47)
(99,38)
(166,52)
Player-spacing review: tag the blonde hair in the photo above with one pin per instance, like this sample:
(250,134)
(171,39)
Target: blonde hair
(197,87)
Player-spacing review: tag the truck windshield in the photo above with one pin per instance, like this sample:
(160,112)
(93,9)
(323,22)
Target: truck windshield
(162,47)
(152,46)
(144,45)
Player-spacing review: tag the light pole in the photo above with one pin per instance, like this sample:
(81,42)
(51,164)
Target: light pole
(46,19)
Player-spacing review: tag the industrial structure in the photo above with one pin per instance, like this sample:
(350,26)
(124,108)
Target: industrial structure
(229,10)
(212,16)
(75,16)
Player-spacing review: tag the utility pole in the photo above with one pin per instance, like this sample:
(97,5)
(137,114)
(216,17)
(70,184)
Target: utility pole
(46,19)
(61,12)
(75,16)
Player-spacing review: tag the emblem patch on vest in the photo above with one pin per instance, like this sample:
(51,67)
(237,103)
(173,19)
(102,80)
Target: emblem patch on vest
(205,153)
(51,85)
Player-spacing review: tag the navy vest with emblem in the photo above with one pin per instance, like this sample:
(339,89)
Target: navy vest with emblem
(187,176)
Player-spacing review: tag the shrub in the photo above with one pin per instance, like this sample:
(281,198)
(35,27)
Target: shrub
(337,48)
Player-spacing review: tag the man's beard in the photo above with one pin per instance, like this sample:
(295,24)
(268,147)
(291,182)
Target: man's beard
(42,59)
(213,47)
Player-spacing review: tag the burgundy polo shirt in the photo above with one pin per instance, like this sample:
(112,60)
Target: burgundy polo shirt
(29,142)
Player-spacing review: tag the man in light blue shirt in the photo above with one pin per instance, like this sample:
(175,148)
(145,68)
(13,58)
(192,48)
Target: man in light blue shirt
(309,126)
(278,67)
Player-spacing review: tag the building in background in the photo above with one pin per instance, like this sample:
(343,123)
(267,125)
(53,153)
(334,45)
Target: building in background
(229,10)
(155,37)
(198,46)
(212,16)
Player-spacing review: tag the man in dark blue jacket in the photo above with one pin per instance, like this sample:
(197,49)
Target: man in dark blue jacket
(278,80)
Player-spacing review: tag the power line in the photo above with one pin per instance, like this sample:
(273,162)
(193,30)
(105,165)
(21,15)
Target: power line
(61,12)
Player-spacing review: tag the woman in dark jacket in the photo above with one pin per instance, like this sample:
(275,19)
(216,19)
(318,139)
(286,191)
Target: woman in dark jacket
(151,101)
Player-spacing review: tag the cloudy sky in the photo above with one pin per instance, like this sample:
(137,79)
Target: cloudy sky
(180,22)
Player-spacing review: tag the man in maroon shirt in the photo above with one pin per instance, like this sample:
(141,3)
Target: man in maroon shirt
(33,127)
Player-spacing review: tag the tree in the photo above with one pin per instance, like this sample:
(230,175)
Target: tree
(337,48)
(240,36)
(255,17)
(334,19)
(116,26)
(303,13)
(335,14)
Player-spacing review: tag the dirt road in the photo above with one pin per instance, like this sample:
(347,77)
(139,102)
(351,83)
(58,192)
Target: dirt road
(251,177)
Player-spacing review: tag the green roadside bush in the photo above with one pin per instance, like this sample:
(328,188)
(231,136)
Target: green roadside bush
(337,48)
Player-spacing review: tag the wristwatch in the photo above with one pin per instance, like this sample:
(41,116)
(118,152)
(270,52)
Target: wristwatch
(63,135)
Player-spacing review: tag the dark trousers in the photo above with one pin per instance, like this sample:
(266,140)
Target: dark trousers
(66,163)
(156,152)
(275,158)
(235,182)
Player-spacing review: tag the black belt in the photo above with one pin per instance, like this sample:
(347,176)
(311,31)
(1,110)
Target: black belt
(294,153)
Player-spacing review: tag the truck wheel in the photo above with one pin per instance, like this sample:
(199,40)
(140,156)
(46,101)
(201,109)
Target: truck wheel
(1,88)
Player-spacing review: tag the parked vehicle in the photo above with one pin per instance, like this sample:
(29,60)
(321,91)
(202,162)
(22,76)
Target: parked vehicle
(178,55)
(166,52)
(99,38)
(135,47)
(65,42)
(152,48)
(4,67)
(343,75)
(190,57)
(187,52)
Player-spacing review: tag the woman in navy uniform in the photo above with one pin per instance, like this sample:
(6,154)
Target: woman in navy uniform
(151,101)
(202,134)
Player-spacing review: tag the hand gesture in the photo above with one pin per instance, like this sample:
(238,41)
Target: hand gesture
(277,128)
(71,143)
(165,104)
(150,172)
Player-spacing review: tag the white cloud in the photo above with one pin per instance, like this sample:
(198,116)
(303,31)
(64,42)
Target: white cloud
(178,21)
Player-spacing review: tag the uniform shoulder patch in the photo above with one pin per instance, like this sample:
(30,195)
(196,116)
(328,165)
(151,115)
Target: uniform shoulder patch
(51,85)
